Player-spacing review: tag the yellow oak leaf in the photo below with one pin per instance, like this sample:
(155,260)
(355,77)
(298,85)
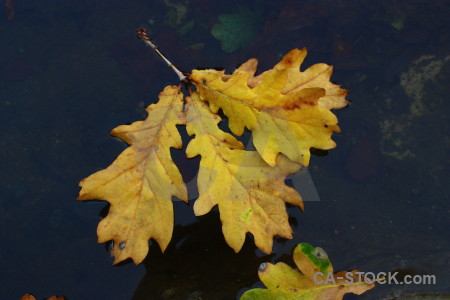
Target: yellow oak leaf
(140,183)
(317,75)
(288,111)
(251,195)
(316,281)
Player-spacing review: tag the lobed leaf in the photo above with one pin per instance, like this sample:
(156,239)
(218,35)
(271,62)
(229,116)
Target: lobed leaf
(288,111)
(140,183)
(286,283)
(251,195)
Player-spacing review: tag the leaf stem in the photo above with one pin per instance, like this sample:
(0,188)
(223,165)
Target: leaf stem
(141,33)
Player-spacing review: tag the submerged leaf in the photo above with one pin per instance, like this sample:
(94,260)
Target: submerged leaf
(140,183)
(235,30)
(31,297)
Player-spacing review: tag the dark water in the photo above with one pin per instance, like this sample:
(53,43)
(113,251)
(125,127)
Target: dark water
(70,71)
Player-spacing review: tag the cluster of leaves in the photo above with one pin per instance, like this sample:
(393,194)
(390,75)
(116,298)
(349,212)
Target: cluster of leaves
(315,281)
(288,112)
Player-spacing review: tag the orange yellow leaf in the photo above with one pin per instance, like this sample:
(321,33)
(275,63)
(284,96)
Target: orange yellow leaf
(317,75)
(251,195)
(31,297)
(140,183)
(315,281)
(287,110)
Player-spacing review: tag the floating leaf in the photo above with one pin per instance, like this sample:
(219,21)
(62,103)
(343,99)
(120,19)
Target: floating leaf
(315,280)
(140,183)
(286,110)
(251,195)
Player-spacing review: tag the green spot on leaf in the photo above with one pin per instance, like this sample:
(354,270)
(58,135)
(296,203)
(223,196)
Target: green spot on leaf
(321,263)
(246,215)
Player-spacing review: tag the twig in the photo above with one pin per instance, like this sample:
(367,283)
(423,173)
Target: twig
(141,33)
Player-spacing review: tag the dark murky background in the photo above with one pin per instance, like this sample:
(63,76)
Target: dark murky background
(70,71)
